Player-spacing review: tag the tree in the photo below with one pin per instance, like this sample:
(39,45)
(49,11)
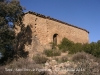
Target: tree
(10,15)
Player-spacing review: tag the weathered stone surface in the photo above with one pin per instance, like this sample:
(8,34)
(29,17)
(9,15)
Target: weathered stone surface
(46,28)
(43,29)
(57,68)
(71,68)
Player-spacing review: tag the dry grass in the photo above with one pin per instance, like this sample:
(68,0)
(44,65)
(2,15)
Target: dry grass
(40,59)
(86,62)
(22,67)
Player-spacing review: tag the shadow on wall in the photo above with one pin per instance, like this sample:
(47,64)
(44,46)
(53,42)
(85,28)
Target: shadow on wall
(23,37)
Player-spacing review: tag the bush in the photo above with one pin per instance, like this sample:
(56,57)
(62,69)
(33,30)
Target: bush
(65,45)
(64,59)
(40,59)
(79,56)
(92,48)
(22,64)
(52,52)
(86,64)
(87,48)
(77,47)
(61,59)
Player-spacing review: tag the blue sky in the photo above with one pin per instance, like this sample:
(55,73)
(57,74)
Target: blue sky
(81,13)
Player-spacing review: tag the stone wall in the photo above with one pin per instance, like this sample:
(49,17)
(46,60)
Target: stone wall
(43,28)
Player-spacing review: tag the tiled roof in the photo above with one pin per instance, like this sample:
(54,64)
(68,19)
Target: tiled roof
(48,17)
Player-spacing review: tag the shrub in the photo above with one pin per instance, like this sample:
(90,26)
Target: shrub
(79,56)
(92,48)
(53,45)
(86,64)
(40,59)
(65,45)
(77,47)
(64,59)
(87,48)
(22,64)
(52,52)
(48,53)
(61,59)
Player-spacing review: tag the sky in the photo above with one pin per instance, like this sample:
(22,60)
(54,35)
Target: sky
(82,13)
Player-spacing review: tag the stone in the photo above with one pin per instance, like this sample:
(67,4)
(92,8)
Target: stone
(45,30)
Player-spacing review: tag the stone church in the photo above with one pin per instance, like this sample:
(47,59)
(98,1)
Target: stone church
(45,29)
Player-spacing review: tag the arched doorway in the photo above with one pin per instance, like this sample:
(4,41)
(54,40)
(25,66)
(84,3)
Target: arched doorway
(55,39)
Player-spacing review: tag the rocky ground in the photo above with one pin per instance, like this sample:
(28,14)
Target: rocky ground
(78,64)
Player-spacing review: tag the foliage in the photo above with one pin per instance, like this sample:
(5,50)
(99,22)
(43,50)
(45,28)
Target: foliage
(86,64)
(64,59)
(52,52)
(40,59)
(10,14)
(22,67)
(22,38)
(91,48)
(65,45)
(79,56)
(87,48)
(77,47)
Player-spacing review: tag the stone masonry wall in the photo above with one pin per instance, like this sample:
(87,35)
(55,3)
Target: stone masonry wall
(43,29)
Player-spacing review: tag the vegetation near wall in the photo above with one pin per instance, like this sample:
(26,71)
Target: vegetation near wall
(91,48)
(10,14)
(72,48)
(21,67)
(51,53)
(12,46)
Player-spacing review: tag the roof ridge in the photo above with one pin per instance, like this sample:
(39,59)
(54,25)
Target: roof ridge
(48,17)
